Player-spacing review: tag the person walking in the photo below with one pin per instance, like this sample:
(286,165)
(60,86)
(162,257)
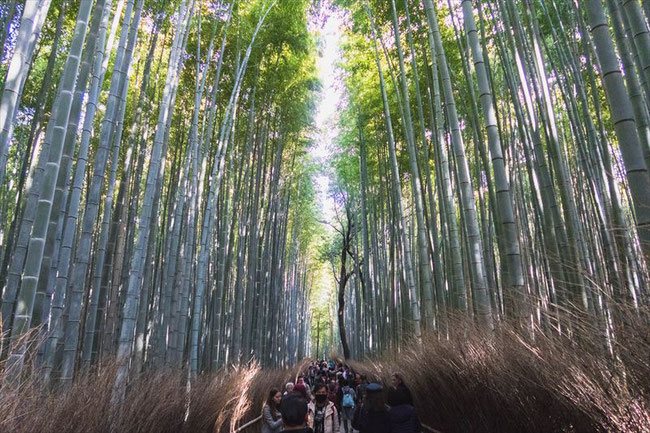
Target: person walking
(372,415)
(320,380)
(402,414)
(332,389)
(288,388)
(347,405)
(302,388)
(397,380)
(361,388)
(271,416)
(294,413)
(323,416)
(357,380)
(313,368)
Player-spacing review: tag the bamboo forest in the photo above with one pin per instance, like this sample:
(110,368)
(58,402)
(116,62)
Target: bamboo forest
(202,200)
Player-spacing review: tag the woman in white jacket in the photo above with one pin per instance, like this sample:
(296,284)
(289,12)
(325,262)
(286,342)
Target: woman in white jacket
(323,416)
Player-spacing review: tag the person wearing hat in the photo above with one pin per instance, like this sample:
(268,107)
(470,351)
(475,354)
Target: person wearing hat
(372,415)
(293,408)
(288,388)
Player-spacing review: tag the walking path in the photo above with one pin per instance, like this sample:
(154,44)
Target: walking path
(255,424)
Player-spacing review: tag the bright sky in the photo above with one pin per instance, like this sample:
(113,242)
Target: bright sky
(328,28)
(327,110)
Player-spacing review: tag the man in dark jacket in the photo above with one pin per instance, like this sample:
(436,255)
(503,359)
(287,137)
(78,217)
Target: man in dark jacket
(402,415)
(294,413)
(371,416)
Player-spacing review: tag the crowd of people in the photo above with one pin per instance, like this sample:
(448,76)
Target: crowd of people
(331,398)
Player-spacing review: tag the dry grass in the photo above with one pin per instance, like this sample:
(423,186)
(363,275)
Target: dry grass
(500,382)
(156,402)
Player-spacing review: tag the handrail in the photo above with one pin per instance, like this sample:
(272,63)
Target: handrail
(248,424)
(431,429)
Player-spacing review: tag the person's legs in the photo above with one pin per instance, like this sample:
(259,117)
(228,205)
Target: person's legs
(346,419)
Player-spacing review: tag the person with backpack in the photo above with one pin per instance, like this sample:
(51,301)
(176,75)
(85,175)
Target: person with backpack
(323,416)
(271,416)
(372,415)
(347,405)
(402,414)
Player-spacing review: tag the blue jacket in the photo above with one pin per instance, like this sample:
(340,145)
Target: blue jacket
(404,419)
